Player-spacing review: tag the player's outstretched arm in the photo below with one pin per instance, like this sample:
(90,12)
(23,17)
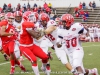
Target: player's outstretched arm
(49,30)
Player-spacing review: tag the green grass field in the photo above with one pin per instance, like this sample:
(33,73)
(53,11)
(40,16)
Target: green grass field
(91,60)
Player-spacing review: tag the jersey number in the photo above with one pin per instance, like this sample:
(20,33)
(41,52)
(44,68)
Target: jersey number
(72,41)
(51,37)
(11,31)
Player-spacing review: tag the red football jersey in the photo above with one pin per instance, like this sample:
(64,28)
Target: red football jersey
(25,37)
(9,29)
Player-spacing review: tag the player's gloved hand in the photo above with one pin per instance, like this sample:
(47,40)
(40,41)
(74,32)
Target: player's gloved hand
(53,47)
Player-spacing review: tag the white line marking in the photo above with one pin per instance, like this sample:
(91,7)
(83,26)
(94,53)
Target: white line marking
(4,63)
(90,53)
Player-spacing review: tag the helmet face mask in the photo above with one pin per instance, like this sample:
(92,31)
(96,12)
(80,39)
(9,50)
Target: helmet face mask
(18,19)
(44,23)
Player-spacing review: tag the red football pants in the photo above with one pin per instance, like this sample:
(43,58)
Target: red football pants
(33,51)
(9,47)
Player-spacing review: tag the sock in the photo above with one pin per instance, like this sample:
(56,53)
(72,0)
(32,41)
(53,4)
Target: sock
(48,70)
(35,69)
(81,74)
(12,62)
(18,63)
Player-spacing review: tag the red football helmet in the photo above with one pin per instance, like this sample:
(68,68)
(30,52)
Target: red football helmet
(29,16)
(68,18)
(17,13)
(26,14)
(10,17)
(18,16)
(44,17)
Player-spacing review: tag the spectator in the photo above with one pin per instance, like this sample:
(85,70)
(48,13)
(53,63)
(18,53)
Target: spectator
(84,5)
(28,6)
(19,6)
(45,5)
(81,12)
(86,13)
(90,4)
(80,6)
(84,19)
(50,5)
(52,15)
(9,5)
(9,9)
(24,6)
(94,4)
(35,5)
(77,14)
(4,7)
(35,9)
(39,9)
(76,9)
(48,10)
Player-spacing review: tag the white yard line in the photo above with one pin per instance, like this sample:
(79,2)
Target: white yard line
(4,63)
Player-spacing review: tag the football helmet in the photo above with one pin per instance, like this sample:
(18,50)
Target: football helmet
(68,19)
(18,16)
(10,17)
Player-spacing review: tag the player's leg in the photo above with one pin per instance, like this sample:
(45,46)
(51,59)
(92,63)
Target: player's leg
(90,40)
(39,52)
(11,47)
(77,60)
(44,44)
(69,65)
(26,51)
(17,56)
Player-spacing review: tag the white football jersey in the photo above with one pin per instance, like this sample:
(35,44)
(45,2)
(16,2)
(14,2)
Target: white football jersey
(91,30)
(52,36)
(71,36)
(16,24)
(98,30)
